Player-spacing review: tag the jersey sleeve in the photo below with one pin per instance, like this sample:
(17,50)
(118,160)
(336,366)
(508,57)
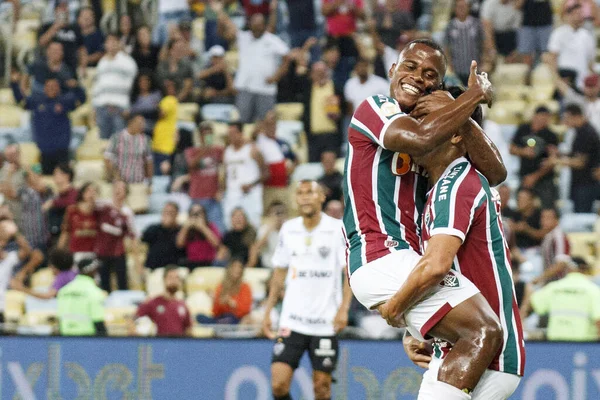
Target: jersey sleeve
(281,256)
(373,117)
(456,200)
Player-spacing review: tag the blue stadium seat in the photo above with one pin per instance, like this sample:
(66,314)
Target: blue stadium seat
(307,171)
(160,184)
(582,222)
(157,202)
(289,131)
(218,112)
(144,221)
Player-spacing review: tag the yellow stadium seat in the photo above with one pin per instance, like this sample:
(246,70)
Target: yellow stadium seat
(289,111)
(138,197)
(202,332)
(257,279)
(552,105)
(42,279)
(542,75)
(30,154)
(220,131)
(49,181)
(508,112)
(207,279)
(14,307)
(198,29)
(10,116)
(39,317)
(91,150)
(81,115)
(188,112)
(6,97)
(249,130)
(510,74)
(512,92)
(200,303)
(25,41)
(540,93)
(89,170)
(116,319)
(339,164)
(584,244)
(232,58)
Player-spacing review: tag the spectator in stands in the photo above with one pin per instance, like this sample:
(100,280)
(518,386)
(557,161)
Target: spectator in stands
(50,67)
(335,209)
(115,224)
(61,264)
(572,305)
(291,87)
(501,21)
(322,112)
(12,175)
(115,76)
(128,156)
(236,243)
(81,303)
(464,41)
(194,48)
(66,196)
(233,297)
(363,85)
(526,221)
(244,176)
(80,225)
(216,80)
(533,143)
(145,53)
(199,237)
(332,178)
(162,239)
(589,9)
(93,38)
(555,248)
(211,36)
(583,157)
(177,68)
(572,46)
(170,315)
(145,100)
(391,21)
(170,12)
(507,213)
(263,62)
(10,257)
(204,163)
(126,34)
(534,34)
(589,101)
(386,55)
(68,35)
(263,249)
(164,137)
(50,121)
(278,158)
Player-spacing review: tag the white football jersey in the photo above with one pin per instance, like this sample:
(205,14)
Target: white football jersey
(316,266)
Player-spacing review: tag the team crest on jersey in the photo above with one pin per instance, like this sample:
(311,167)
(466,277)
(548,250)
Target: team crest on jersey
(327,363)
(391,243)
(401,164)
(278,348)
(450,280)
(324,251)
(388,109)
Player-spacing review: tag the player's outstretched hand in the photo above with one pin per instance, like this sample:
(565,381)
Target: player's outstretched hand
(430,103)
(418,352)
(266,327)
(480,81)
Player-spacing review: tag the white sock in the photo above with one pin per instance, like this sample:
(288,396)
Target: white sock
(443,391)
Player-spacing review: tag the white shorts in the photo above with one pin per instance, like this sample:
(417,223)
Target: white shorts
(376,282)
(493,385)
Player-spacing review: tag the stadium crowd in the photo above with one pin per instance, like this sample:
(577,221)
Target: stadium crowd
(164,148)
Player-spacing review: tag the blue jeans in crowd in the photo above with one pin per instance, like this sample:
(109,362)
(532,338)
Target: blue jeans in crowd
(109,120)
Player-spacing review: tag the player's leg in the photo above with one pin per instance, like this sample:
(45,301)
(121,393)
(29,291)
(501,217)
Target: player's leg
(287,352)
(322,385)
(323,353)
(281,380)
(495,385)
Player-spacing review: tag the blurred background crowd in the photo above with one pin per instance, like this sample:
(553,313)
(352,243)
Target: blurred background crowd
(150,150)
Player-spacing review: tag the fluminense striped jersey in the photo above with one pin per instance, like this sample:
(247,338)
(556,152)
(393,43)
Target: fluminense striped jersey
(384,192)
(462,204)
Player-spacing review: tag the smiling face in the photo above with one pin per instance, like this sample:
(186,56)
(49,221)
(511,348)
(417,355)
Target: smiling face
(419,70)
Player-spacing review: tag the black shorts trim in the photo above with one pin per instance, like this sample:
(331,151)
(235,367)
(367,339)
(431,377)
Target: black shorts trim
(322,351)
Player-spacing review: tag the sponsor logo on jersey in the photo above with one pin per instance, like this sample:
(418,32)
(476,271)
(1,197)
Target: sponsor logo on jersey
(450,280)
(391,243)
(401,164)
(324,251)
(388,109)
(325,349)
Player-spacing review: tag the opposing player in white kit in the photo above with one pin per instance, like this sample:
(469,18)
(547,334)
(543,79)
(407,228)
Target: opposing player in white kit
(245,173)
(310,261)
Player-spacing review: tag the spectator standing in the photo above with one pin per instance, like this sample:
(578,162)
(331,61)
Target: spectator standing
(204,163)
(165,131)
(12,175)
(170,315)
(128,156)
(263,62)
(126,34)
(501,21)
(464,41)
(589,101)
(363,84)
(81,303)
(50,67)
(244,176)
(573,47)
(199,237)
(80,225)
(111,92)
(177,68)
(391,21)
(335,209)
(145,100)
(331,181)
(68,35)
(216,80)
(572,305)
(212,36)
(555,248)
(170,12)
(50,121)
(533,143)
(161,239)
(583,158)
(233,296)
(93,38)
(526,221)
(66,196)
(290,88)
(534,34)
(303,24)
(261,252)
(237,242)
(145,53)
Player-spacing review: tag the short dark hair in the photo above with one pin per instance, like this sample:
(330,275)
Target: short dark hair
(574,109)
(431,44)
(238,125)
(169,268)
(133,116)
(60,259)
(82,190)
(65,168)
(113,35)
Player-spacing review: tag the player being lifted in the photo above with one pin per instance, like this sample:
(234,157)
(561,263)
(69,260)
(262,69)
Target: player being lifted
(310,259)
(385,193)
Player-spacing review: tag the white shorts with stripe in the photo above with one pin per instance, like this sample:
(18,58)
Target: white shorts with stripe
(493,385)
(376,282)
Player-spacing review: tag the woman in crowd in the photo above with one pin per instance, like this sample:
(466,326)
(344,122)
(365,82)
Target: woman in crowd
(200,238)
(237,242)
(80,225)
(144,52)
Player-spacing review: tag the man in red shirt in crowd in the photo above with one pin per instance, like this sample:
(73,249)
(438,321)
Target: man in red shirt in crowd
(204,163)
(170,315)
(67,195)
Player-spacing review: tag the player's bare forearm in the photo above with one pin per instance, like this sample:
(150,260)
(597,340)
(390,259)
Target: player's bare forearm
(346,295)
(277,282)
(483,153)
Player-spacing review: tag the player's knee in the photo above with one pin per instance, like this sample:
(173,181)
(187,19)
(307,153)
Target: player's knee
(280,387)
(322,388)
(493,334)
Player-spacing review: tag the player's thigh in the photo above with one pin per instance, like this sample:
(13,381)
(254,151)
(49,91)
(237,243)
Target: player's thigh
(323,352)
(495,385)
(427,388)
